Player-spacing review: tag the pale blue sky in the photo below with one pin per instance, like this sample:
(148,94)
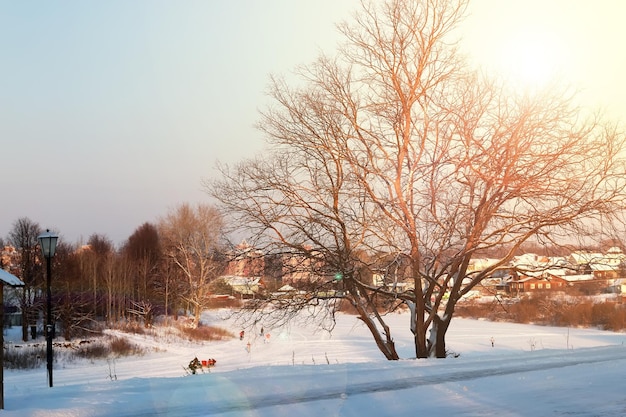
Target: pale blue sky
(112,112)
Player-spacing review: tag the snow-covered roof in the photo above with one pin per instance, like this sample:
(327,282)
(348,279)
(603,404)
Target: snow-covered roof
(10,279)
(556,272)
(536,265)
(584,277)
(601,267)
(530,261)
(478,264)
(550,272)
(586,257)
(234,280)
(532,274)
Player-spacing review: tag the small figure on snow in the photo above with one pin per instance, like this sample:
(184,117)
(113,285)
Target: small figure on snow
(493,341)
(194,365)
(248,347)
(241,335)
(267,338)
(262,332)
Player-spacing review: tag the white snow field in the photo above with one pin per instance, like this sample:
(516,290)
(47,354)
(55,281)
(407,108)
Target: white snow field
(300,372)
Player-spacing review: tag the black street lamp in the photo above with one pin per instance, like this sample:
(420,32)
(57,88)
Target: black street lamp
(48,243)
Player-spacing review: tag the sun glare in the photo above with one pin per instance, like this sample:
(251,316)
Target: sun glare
(531,58)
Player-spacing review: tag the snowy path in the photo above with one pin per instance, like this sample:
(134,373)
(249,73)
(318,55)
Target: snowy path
(386,378)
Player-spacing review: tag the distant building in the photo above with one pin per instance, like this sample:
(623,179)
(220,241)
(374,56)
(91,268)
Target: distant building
(532,284)
(244,286)
(245,261)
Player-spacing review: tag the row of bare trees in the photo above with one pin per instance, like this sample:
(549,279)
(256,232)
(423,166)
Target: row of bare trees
(164,268)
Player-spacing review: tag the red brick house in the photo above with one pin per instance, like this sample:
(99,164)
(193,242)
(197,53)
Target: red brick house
(531,284)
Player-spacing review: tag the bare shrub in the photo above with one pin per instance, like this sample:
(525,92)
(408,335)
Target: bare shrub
(120,346)
(490,311)
(93,350)
(608,316)
(203,333)
(24,357)
(219,302)
(107,348)
(346,307)
(382,306)
(525,311)
(90,329)
(617,321)
(551,309)
(131,326)
(579,314)
(601,314)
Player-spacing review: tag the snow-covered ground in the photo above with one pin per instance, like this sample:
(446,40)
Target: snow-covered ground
(529,371)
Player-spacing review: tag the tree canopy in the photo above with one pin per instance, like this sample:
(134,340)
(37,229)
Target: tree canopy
(395,152)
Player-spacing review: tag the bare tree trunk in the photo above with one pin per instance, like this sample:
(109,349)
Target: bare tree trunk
(438,338)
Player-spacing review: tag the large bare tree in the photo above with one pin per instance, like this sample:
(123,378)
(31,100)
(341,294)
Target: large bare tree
(100,263)
(23,236)
(191,239)
(395,153)
(73,309)
(142,256)
(143,250)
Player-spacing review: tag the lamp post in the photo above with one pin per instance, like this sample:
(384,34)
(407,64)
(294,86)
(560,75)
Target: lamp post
(48,243)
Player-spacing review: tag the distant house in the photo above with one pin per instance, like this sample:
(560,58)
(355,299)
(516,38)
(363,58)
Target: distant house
(286,289)
(604,271)
(531,261)
(602,266)
(302,268)
(245,261)
(618,286)
(615,256)
(479,264)
(7,278)
(532,284)
(12,316)
(381,280)
(244,286)
(498,281)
